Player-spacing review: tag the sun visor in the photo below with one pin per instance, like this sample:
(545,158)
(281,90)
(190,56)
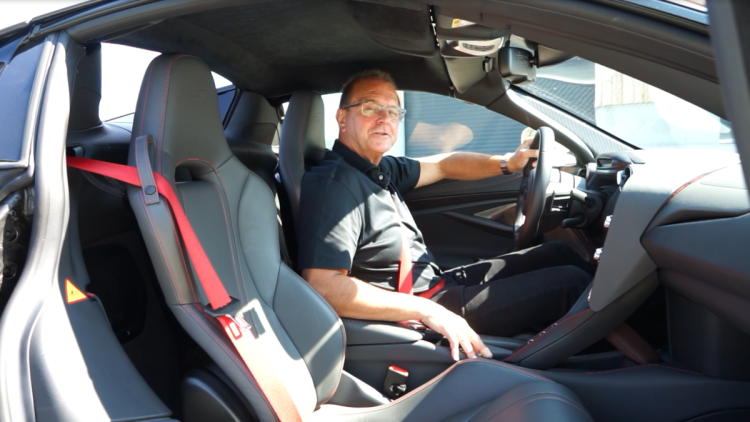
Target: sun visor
(404,28)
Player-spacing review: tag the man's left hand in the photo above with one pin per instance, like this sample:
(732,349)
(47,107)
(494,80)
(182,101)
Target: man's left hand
(518,160)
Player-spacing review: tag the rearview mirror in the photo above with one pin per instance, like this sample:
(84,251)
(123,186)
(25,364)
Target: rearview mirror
(517,65)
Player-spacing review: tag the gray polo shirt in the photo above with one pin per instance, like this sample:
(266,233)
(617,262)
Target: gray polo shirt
(348,219)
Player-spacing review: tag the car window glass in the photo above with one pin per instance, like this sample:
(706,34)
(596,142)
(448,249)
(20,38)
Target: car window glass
(225,99)
(16,81)
(634,111)
(123,68)
(436,124)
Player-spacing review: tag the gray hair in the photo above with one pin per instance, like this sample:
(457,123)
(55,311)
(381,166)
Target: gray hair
(346,89)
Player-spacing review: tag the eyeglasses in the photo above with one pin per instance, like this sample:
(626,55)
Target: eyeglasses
(370,109)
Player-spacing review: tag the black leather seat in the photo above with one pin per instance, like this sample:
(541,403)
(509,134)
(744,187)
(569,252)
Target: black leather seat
(250,132)
(233,214)
(302,144)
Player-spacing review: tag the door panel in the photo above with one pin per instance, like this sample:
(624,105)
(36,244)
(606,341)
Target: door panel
(465,221)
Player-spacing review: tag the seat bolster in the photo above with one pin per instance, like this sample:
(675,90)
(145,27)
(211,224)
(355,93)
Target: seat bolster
(211,338)
(535,401)
(321,339)
(458,394)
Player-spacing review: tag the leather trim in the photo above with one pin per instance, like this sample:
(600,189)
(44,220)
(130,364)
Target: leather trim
(145,98)
(646,366)
(410,395)
(227,222)
(514,357)
(520,403)
(165,98)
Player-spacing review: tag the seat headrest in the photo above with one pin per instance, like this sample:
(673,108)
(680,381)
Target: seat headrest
(253,120)
(302,143)
(304,129)
(87,91)
(178,105)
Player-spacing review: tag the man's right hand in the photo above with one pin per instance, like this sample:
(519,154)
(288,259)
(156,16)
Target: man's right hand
(457,331)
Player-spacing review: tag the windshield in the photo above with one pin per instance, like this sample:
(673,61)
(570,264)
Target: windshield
(634,111)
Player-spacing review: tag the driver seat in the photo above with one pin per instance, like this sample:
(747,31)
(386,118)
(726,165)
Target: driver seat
(302,145)
(233,214)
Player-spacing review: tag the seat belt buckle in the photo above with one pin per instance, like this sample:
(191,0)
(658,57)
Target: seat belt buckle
(231,318)
(395,382)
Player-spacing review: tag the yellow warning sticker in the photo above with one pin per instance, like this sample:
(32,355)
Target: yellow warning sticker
(72,293)
(459,23)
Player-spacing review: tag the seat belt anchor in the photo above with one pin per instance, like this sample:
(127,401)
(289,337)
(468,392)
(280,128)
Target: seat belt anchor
(395,382)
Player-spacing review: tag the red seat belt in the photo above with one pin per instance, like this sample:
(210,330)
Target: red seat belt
(432,290)
(235,326)
(405,281)
(405,266)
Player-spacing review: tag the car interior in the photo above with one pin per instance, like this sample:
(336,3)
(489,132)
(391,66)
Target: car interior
(662,334)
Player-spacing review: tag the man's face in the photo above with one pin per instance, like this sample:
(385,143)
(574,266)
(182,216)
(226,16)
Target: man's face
(370,137)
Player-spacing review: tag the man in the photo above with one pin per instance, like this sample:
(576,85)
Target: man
(355,226)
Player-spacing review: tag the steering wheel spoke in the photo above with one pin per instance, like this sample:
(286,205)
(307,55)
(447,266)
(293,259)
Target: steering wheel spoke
(533,192)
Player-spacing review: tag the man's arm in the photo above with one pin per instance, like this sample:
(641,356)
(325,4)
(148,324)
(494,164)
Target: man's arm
(354,298)
(471,165)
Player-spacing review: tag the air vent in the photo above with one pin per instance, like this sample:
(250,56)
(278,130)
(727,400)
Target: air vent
(605,162)
(624,175)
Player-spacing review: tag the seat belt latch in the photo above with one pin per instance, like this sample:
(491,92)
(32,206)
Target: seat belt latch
(395,382)
(231,317)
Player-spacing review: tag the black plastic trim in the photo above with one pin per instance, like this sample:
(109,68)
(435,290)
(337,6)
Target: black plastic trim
(49,222)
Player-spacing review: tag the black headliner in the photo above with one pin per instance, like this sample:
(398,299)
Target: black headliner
(323,43)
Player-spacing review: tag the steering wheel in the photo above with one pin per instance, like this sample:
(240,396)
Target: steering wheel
(533,192)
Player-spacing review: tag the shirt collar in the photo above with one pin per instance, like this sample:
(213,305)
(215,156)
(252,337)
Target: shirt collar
(377,174)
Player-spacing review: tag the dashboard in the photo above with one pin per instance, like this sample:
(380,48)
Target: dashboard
(684,214)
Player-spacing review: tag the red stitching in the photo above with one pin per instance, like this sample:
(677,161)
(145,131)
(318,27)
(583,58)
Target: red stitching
(231,354)
(164,108)
(548,330)
(643,366)
(412,393)
(234,250)
(158,240)
(208,317)
(533,394)
(145,96)
(229,239)
(182,256)
(681,188)
(519,405)
(174,231)
(342,329)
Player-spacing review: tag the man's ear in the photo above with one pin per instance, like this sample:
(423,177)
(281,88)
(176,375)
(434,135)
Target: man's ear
(341,119)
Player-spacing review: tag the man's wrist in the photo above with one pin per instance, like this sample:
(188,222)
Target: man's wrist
(426,308)
(505,164)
